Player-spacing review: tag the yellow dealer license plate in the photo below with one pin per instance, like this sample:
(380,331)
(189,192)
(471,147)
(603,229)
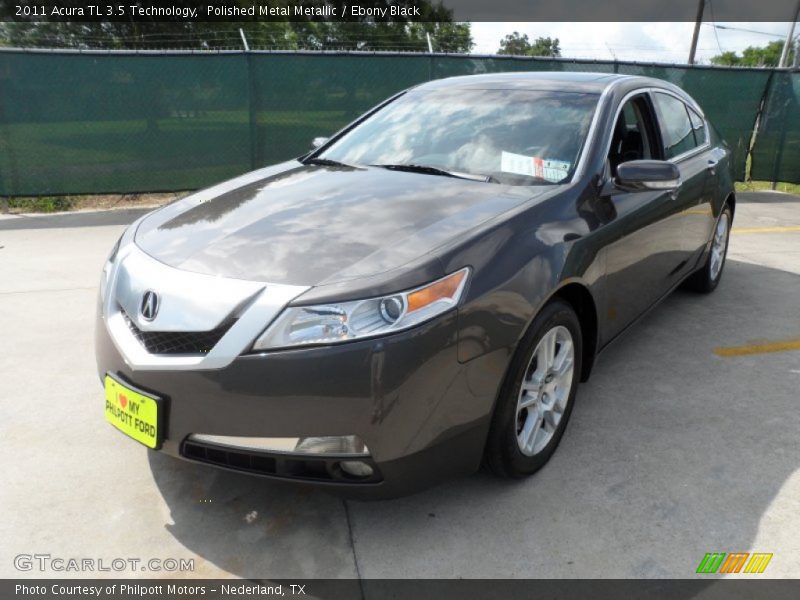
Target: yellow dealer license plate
(133,412)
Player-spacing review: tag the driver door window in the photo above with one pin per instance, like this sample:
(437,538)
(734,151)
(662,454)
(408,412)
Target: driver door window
(634,136)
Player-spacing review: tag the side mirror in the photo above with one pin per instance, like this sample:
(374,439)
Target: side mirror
(648,175)
(319,141)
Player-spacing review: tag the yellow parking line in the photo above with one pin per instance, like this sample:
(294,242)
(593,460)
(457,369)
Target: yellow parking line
(785,229)
(765,348)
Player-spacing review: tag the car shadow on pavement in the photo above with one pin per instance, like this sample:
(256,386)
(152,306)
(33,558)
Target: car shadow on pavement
(250,527)
(672,451)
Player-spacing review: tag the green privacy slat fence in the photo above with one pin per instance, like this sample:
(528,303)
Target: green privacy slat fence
(121,123)
(776,155)
(75,123)
(299,97)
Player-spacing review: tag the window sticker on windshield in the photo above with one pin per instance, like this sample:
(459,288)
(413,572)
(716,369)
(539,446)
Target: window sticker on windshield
(548,169)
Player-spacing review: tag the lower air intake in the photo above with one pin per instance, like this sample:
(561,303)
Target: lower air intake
(287,466)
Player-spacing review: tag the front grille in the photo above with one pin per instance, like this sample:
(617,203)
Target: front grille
(274,464)
(178,342)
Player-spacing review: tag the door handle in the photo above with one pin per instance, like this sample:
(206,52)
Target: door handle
(712,166)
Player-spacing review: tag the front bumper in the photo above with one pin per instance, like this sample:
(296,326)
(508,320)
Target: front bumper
(423,415)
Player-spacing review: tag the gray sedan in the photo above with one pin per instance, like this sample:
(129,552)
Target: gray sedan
(421,293)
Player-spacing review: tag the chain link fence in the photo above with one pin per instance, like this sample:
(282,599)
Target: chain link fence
(130,122)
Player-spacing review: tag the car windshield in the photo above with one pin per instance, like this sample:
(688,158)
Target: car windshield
(516,137)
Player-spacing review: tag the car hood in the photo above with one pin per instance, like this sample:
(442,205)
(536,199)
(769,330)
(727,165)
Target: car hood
(315,225)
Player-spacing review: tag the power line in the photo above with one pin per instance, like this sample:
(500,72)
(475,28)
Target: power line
(728,27)
(713,22)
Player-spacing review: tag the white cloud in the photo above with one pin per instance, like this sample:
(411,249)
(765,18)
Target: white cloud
(645,42)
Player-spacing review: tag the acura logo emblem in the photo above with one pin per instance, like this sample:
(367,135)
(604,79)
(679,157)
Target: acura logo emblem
(149,308)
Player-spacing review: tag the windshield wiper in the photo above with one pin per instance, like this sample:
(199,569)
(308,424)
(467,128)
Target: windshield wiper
(327,162)
(430,170)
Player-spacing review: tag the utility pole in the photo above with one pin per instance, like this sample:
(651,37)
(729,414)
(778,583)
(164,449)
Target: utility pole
(244,40)
(789,38)
(430,46)
(701,5)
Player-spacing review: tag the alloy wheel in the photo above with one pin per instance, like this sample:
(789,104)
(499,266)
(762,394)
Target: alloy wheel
(719,245)
(545,390)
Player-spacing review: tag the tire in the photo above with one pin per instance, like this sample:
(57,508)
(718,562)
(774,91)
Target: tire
(509,449)
(706,279)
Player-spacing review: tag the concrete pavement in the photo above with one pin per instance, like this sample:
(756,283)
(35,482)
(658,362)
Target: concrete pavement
(672,451)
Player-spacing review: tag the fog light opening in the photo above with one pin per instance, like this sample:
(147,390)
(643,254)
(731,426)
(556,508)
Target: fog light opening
(356,468)
(345,444)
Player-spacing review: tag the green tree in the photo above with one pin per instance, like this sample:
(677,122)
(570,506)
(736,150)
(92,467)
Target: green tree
(519,45)
(754,56)
(371,35)
(728,59)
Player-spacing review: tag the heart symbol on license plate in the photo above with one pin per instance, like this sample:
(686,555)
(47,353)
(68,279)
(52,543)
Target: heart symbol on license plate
(123,400)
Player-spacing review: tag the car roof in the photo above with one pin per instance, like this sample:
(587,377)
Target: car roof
(538,80)
(557,81)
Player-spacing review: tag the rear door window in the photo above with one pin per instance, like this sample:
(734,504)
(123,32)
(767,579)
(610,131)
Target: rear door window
(676,128)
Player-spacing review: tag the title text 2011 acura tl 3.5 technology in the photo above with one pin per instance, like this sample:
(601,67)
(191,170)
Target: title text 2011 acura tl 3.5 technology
(423,291)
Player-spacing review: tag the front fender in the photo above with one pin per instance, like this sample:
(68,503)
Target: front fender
(518,265)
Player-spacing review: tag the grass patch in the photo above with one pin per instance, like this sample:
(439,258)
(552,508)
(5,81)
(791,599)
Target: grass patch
(42,204)
(50,204)
(758,186)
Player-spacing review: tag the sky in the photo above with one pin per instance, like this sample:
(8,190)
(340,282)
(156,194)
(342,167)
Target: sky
(645,42)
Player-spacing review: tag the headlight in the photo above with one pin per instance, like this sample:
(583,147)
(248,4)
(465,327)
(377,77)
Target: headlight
(107,268)
(345,321)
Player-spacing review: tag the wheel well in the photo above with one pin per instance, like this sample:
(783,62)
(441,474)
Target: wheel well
(583,304)
(731,201)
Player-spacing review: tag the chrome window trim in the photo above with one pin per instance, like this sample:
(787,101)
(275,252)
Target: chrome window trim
(689,105)
(625,98)
(690,153)
(649,90)
(704,121)
(256,304)
(593,128)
